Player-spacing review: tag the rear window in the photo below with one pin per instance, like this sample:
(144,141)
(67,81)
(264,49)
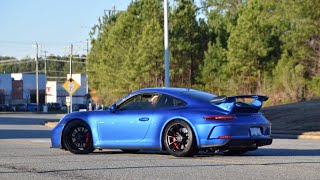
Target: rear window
(167,101)
(199,95)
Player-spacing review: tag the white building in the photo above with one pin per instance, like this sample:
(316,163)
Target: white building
(5,88)
(29,86)
(17,88)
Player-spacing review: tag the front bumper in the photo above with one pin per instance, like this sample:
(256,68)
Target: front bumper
(56,136)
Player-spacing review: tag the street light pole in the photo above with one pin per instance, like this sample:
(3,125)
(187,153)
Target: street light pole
(87,88)
(37,78)
(45,73)
(166,45)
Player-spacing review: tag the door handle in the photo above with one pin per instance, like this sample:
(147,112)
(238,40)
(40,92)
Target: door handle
(144,119)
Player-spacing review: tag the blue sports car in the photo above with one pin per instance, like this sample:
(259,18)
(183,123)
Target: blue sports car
(180,121)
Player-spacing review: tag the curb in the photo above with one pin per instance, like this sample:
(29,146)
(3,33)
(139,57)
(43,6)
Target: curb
(51,124)
(291,136)
(296,134)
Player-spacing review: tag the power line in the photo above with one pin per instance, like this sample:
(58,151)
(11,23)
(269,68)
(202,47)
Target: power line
(31,42)
(16,42)
(15,63)
(55,77)
(13,60)
(65,61)
(57,71)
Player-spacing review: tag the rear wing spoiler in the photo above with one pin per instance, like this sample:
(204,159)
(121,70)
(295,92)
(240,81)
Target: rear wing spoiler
(242,103)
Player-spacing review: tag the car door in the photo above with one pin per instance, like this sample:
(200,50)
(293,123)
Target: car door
(130,121)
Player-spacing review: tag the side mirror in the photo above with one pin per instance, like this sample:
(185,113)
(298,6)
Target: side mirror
(113,108)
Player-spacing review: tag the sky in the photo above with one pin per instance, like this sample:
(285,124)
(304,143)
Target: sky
(53,24)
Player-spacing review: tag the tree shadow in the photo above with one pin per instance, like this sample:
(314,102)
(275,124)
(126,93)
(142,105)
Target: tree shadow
(24,121)
(201,154)
(24,134)
(142,167)
(284,152)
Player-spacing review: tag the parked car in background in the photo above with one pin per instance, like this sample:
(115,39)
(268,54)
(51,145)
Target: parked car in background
(21,107)
(79,107)
(32,107)
(7,107)
(63,107)
(54,106)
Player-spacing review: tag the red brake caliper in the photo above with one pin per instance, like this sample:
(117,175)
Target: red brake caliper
(87,140)
(174,142)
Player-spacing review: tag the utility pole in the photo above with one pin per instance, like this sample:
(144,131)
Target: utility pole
(87,48)
(45,62)
(45,72)
(87,89)
(166,45)
(111,12)
(37,78)
(71,48)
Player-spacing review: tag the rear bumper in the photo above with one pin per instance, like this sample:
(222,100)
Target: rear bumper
(246,142)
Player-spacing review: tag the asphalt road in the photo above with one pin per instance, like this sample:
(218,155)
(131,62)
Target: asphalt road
(25,153)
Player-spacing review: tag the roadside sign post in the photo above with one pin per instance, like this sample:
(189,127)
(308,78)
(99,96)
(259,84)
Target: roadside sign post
(71,86)
(68,103)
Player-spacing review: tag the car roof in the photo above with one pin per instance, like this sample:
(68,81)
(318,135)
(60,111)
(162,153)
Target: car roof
(165,90)
(182,93)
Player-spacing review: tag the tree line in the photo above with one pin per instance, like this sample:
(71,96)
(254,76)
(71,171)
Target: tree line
(225,47)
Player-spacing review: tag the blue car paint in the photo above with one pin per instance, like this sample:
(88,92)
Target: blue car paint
(143,129)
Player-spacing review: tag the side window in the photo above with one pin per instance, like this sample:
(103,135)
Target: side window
(140,102)
(167,101)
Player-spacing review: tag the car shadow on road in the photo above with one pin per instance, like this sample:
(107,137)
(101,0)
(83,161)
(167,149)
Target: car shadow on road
(284,152)
(212,164)
(260,152)
(24,121)
(272,152)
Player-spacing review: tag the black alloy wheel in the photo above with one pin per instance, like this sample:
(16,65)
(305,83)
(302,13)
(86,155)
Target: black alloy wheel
(179,139)
(77,138)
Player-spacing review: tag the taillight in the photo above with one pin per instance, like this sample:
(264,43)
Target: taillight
(221,117)
(224,137)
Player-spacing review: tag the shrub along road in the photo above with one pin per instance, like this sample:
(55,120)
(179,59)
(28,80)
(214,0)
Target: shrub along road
(297,120)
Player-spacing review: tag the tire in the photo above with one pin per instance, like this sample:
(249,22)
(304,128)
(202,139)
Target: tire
(77,138)
(179,139)
(130,150)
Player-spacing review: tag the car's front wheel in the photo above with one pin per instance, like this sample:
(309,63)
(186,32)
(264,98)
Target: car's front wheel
(77,138)
(179,139)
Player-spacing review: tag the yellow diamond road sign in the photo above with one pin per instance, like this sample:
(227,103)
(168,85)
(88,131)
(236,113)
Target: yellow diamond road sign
(70,86)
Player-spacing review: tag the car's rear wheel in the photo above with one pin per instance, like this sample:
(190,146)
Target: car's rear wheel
(77,138)
(179,139)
